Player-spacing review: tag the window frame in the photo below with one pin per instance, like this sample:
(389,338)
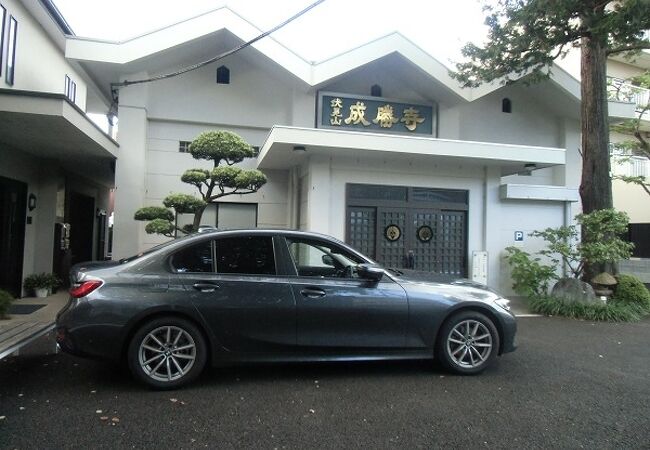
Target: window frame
(2,36)
(172,269)
(185,145)
(315,243)
(279,269)
(70,89)
(11,51)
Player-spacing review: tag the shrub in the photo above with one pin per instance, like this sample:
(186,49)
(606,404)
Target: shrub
(531,278)
(631,291)
(610,312)
(5,303)
(41,280)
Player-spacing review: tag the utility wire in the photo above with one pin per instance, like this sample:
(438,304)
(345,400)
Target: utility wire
(116,86)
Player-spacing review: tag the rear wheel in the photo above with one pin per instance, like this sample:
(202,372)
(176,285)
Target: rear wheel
(167,352)
(468,343)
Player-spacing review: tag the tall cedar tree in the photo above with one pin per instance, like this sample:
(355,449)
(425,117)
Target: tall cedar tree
(224,149)
(526,36)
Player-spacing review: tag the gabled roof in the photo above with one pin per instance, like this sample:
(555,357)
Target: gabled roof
(129,52)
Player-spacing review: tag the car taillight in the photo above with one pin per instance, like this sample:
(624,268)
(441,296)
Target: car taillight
(85,288)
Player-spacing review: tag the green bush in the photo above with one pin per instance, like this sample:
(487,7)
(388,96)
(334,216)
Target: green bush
(41,280)
(610,312)
(5,303)
(631,291)
(531,278)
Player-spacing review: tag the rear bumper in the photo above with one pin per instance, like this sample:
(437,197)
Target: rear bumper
(77,335)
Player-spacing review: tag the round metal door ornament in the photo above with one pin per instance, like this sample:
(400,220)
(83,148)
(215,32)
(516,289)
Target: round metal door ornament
(425,233)
(392,232)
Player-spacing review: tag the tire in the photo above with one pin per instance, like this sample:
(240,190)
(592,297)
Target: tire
(467,343)
(167,353)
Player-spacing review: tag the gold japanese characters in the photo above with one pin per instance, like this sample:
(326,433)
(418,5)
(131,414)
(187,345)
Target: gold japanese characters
(385,116)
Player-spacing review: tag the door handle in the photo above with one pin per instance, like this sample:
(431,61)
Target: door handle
(312,293)
(206,287)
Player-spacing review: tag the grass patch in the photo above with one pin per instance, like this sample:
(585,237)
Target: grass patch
(611,312)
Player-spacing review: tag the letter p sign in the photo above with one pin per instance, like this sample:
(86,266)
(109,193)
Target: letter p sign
(519,236)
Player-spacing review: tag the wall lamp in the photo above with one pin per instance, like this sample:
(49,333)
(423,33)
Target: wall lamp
(299,149)
(31,202)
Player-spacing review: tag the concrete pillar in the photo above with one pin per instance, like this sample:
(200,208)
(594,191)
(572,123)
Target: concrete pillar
(130,170)
(491,223)
(318,203)
(48,185)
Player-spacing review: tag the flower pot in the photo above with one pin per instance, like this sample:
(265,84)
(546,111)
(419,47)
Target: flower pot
(41,292)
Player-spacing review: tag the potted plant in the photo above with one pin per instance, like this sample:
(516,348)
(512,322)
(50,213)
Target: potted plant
(40,283)
(54,282)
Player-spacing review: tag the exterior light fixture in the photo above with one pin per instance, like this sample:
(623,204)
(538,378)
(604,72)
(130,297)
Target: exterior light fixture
(299,149)
(31,202)
(530,166)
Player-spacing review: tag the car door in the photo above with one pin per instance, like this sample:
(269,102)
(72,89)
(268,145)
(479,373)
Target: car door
(233,283)
(338,310)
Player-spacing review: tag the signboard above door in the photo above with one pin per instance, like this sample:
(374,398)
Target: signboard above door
(375,114)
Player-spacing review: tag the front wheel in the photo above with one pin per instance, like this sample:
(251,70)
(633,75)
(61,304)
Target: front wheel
(167,352)
(468,343)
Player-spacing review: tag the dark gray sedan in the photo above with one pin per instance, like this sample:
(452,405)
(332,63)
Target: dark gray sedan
(272,295)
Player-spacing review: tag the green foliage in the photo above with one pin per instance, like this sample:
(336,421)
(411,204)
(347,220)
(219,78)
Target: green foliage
(221,146)
(153,212)
(195,176)
(41,280)
(525,37)
(632,292)
(160,226)
(218,147)
(184,203)
(609,312)
(5,302)
(601,242)
(531,278)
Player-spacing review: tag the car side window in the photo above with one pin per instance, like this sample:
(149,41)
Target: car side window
(246,255)
(193,258)
(320,259)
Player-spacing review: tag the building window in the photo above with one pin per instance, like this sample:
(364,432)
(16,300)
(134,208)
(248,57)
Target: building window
(236,215)
(506,105)
(375,90)
(70,89)
(3,16)
(11,50)
(223,75)
(184,146)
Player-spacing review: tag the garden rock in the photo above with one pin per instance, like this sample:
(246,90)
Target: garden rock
(573,290)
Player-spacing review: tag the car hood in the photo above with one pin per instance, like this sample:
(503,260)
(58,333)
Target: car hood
(446,285)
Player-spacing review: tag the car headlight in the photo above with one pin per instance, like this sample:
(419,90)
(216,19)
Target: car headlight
(503,303)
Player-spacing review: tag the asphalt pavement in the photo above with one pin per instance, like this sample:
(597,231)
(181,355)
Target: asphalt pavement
(571,384)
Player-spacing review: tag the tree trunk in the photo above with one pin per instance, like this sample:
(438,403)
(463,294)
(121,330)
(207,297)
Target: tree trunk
(596,184)
(197,218)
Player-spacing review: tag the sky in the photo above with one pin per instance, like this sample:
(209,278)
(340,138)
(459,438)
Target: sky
(440,28)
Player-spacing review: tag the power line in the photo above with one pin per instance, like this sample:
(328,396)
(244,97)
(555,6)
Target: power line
(116,86)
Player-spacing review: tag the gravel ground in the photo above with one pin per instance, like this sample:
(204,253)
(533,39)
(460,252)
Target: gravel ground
(571,384)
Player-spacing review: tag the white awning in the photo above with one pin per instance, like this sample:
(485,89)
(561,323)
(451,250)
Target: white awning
(278,151)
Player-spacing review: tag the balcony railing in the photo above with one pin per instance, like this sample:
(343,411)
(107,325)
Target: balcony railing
(621,90)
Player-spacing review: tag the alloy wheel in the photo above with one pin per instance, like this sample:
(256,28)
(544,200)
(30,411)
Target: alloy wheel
(469,343)
(167,353)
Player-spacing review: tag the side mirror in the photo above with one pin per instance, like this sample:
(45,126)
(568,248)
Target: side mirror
(328,260)
(370,272)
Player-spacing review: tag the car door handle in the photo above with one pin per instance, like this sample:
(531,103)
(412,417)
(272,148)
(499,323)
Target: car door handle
(206,287)
(312,293)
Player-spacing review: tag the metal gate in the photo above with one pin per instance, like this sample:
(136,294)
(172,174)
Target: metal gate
(411,232)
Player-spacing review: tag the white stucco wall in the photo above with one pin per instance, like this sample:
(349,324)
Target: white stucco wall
(40,63)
